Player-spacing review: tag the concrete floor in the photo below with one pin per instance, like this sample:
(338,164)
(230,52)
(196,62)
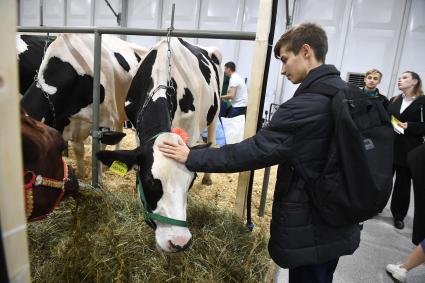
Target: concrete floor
(380,244)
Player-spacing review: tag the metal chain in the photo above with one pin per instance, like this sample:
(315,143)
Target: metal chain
(46,95)
(168,88)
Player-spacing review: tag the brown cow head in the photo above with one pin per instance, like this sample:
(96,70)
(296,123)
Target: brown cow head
(46,175)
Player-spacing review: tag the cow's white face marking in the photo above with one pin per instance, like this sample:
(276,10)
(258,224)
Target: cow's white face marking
(175,179)
(43,119)
(128,102)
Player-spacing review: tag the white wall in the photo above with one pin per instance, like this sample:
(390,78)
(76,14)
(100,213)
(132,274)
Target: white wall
(366,34)
(413,55)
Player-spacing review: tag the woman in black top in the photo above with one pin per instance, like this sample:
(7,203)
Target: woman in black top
(408,108)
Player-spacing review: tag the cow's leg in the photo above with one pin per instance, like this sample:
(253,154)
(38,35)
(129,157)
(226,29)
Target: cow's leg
(78,148)
(206,180)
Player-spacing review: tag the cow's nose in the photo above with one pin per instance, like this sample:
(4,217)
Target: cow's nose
(180,244)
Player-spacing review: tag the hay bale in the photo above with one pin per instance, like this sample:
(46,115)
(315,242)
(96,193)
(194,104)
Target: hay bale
(101,237)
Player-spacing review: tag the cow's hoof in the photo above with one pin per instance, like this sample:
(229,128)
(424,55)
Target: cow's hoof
(206,181)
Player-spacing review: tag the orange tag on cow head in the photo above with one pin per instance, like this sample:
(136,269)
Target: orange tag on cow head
(182,134)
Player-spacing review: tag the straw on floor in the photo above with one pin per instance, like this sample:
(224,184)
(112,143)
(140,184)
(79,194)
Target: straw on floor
(101,237)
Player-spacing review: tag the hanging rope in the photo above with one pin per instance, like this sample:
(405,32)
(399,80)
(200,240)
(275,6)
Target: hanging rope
(117,15)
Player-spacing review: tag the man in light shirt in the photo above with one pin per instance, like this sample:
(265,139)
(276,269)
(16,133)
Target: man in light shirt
(237,91)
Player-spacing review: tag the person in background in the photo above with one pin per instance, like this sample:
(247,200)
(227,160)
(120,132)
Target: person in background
(372,79)
(407,109)
(298,135)
(237,91)
(225,104)
(415,258)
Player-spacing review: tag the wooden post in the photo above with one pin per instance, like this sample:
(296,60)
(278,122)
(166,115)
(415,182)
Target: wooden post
(255,85)
(12,215)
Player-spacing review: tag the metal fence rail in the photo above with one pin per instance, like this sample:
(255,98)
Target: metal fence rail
(215,34)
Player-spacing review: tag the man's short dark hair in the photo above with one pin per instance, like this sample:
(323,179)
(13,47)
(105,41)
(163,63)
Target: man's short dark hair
(230,65)
(307,33)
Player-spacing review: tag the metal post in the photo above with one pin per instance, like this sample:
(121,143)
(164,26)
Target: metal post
(172,16)
(264,192)
(96,101)
(41,13)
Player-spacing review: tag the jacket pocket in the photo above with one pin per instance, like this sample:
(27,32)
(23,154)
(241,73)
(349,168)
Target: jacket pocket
(296,214)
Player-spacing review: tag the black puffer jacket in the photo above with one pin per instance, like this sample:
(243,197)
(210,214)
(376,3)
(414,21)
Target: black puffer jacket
(299,135)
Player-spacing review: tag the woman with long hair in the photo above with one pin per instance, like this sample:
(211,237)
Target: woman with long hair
(407,109)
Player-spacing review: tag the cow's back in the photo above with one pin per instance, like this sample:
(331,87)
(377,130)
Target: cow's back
(117,59)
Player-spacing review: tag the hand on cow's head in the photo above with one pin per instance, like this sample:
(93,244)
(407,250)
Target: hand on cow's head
(176,150)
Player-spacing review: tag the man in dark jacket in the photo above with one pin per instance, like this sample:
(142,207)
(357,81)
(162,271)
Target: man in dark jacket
(371,80)
(298,137)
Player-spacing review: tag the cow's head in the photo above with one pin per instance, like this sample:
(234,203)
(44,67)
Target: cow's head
(47,177)
(165,184)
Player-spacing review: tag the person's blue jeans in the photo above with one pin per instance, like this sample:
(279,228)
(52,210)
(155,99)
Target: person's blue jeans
(236,111)
(314,273)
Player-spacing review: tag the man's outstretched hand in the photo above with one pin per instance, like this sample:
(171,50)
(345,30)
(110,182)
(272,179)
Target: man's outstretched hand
(177,151)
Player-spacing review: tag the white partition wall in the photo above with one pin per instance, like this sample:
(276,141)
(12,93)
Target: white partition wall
(79,12)
(333,16)
(412,55)
(103,15)
(29,14)
(366,34)
(12,215)
(144,14)
(54,12)
(372,37)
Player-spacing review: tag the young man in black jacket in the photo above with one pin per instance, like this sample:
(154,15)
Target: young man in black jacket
(297,138)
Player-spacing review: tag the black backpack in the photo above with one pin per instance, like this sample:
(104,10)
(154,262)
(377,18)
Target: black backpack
(357,179)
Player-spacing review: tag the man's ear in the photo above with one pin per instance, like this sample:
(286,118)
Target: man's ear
(200,146)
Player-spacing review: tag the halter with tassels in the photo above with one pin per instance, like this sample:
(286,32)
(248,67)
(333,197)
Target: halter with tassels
(149,216)
(41,181)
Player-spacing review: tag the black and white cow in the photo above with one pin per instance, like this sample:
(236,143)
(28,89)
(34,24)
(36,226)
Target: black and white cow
(30,49)
(191,104)
(61,96)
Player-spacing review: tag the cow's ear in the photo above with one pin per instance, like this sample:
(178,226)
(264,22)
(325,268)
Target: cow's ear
(129,157)
(200,146)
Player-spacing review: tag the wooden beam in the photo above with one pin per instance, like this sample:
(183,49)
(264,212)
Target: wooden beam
(254,95)
(12,215)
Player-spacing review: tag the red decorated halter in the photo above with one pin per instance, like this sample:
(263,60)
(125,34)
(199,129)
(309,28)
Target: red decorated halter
(39,181)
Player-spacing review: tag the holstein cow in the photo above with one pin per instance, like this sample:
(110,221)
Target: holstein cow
(190,103)
(62,94)
(47,177)
(30,50)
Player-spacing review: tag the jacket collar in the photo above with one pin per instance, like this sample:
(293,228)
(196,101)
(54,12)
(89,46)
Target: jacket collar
(316,74)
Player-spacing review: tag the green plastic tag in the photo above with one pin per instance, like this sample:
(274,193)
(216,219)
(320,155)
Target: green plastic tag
(119,168)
